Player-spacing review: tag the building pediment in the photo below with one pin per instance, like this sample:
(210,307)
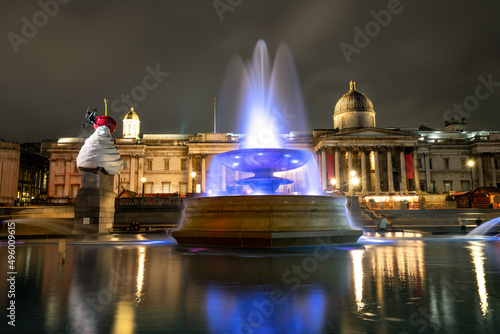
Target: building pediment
(365,137)
(374,132)
(378,133)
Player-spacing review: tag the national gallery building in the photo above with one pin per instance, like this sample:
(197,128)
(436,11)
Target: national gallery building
(384,162)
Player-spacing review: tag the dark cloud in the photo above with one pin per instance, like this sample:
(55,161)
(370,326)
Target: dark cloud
(425,60)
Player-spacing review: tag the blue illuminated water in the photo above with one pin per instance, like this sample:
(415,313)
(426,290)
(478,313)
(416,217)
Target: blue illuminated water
(146,285)
(267,97)
(264,162)
(489,228)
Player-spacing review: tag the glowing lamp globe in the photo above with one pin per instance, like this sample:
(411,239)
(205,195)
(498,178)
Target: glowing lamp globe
(106,121)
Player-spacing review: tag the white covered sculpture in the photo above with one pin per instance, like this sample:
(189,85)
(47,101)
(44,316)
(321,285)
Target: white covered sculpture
(99,150)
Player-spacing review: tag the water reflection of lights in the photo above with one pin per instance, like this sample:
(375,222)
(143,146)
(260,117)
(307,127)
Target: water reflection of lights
(140,273)
(401,265)
(357,263)
(370,240)
(152,242)
(124,322)
(400,234)
(257,312)
(476,250)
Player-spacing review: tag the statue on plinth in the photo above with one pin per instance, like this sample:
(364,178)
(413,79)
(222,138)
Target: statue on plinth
(99,161)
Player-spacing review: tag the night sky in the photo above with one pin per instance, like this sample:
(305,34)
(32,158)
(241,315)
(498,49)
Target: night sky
(418,60)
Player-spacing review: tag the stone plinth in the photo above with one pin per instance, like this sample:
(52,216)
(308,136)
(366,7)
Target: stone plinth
(95,202)
(268,221)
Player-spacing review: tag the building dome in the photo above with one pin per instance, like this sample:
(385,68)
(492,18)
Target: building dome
(354,109)
(353,101)
(131,115)
(131,125)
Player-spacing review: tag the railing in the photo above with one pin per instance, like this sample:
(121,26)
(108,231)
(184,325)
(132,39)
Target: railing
(150,201)
(62,201)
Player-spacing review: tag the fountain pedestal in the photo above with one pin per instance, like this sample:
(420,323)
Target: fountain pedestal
(95,202)
(268,221)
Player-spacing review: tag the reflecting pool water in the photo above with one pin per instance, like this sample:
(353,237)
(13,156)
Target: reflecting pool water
(391,285)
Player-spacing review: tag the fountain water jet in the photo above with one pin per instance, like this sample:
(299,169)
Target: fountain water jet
(270,101)
(489,228)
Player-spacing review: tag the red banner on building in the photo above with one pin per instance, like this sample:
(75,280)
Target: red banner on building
(331,166)
(409,166)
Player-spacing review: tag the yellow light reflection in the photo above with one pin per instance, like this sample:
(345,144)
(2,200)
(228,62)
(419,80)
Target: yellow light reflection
(477,254)
(400,265)
(357,266)
(124,318)
(140,273)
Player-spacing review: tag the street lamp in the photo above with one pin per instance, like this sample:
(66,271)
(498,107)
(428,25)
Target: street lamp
(193,175)
(354,181)
(143,180)
(470,163)
(333,182)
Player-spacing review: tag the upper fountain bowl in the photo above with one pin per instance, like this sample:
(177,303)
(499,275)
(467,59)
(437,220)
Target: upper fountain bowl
(258,160)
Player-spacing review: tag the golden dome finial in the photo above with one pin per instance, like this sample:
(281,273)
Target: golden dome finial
(131,108)
(353,85)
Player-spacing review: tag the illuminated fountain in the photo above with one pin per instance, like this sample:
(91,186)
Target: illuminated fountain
(264,162)
(270,103)
(487,229)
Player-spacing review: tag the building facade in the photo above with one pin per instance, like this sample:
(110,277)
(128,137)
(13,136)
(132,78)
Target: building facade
(383,161)
(9,170)
(33,175)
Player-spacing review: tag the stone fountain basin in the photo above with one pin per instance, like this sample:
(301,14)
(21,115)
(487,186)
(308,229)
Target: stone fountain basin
(267,221)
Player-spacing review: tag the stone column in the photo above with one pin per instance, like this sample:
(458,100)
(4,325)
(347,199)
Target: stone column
(52,186)
(95,202)
(203,173)
(140,171)
(377,171)
(480,171)
(493,171)
(133,166)
(190,169)
(427,171)
(324,181)
(317,156)
(349,159)
(403,171)
(364,187)
(337,167)
(390,176)
(416,177)
(67,174)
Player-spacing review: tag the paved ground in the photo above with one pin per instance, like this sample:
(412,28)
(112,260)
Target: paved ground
(44,227)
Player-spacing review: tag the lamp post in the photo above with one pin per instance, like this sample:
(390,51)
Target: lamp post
(143,180)
(470,163)
(333,182)
(193,175)
(354,181)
